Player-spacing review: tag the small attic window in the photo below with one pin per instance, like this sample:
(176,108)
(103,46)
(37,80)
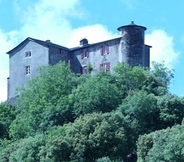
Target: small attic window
(28,54)
(28,70)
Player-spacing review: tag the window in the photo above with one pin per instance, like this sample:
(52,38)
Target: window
(105,67)
(28,70)
(84,54)
(28,54)
(84,70)
(101,50)
(107,49)
(104,49)
(69,63)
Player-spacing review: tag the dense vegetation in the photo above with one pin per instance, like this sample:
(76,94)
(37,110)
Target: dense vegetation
(128,115)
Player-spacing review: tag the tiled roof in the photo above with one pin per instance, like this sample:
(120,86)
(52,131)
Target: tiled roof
(88,45)
(44,43)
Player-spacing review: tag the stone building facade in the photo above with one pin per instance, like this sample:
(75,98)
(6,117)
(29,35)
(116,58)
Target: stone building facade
(29,55)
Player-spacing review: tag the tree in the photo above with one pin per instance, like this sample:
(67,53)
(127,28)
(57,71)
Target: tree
(23,150)
(171,110)
(56,147)
(98,94)
(142,108)
(155,80)
(44,102)
(97,135)
(162,73)
(164,145)
(7,115)
(61,116)
(90,137)
(130,78)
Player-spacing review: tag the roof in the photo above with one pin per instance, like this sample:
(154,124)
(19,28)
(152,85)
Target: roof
(46,43)
(131,25)
(148,45)
(88,45)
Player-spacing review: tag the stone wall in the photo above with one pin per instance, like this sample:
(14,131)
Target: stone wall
(132,45)
(98,54)
(57,54)
(18,62)
(128,48)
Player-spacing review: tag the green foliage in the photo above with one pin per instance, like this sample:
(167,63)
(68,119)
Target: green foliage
(45,101)
(97,135)
(66,117)
(154,86)
(27,150)
(56,149)
(162,73)
(90,137)
(89,69)
(4,143)
(154,81)
(7,150)
(130,78)
(142,108)
(23,150)
(97,94)
(106,159)
(171,109)
(152,112)
(158,79)
(7,115)
(164,145)
(23,126)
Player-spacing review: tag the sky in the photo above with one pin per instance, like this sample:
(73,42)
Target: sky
(66,22)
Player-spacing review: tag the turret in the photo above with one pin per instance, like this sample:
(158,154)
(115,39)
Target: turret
(132,44)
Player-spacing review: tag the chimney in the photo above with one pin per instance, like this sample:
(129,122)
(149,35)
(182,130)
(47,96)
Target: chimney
(48,41)
(83,42)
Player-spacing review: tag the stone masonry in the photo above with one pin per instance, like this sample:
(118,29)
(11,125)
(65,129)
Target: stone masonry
(29,55)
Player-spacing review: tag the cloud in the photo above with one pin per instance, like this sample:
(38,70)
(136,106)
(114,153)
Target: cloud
(94,33)
(6,44)
(51,20)
(47,20)
(162,47)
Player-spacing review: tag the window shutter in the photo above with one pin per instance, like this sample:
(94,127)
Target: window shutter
(87,54)
(101,50)
(108,66)
(82,55)
(107,49)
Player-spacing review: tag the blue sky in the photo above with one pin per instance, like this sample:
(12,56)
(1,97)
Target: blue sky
(67,21)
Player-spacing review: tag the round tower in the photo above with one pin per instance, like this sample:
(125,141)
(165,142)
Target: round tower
(132,44)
